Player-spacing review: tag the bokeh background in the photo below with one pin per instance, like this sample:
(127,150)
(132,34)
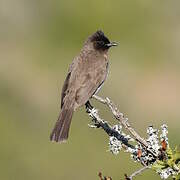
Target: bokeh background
(38,40)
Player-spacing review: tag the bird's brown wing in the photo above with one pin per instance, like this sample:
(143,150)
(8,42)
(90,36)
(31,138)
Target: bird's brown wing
(66,82)
(90,80)
(64,89)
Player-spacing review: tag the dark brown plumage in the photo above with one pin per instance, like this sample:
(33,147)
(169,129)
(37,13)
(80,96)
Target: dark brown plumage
(86,74)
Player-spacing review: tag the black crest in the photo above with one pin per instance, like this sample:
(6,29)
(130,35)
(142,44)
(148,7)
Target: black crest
(100,40)
(99,36)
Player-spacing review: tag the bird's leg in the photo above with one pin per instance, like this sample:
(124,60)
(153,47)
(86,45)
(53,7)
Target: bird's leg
(88,106)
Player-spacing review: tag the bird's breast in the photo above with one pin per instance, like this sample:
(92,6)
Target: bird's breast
(105,76)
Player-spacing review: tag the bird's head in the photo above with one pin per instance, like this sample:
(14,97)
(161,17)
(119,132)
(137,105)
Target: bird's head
(100,41)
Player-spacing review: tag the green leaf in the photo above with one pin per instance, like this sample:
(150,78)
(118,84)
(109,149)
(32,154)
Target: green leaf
(172,161)
(177,177)
(169,152)
(177,154)
(159,165)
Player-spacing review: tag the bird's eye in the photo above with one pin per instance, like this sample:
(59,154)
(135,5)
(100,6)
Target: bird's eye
(101,43)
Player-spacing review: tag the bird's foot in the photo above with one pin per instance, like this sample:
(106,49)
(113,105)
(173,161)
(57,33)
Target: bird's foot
(89,107)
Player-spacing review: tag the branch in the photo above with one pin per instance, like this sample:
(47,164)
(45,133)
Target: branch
(93,113)
(124,121)
(153,152)
(136,173)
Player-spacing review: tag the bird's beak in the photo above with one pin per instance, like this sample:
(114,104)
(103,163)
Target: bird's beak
(112,44)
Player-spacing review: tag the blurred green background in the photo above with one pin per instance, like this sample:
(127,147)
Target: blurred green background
(38,40)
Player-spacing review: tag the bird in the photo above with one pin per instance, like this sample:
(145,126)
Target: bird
(85,78)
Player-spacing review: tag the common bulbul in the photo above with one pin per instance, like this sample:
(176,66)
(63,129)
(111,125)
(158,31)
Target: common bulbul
(85,77)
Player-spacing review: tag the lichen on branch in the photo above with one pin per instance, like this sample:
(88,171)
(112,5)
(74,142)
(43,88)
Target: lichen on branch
(153,152)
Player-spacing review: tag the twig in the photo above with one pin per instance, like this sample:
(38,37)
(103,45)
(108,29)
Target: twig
(103,177)
(107,128)
(136,173)
(124,121)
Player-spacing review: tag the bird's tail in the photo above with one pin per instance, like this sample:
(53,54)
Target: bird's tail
(61,128)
